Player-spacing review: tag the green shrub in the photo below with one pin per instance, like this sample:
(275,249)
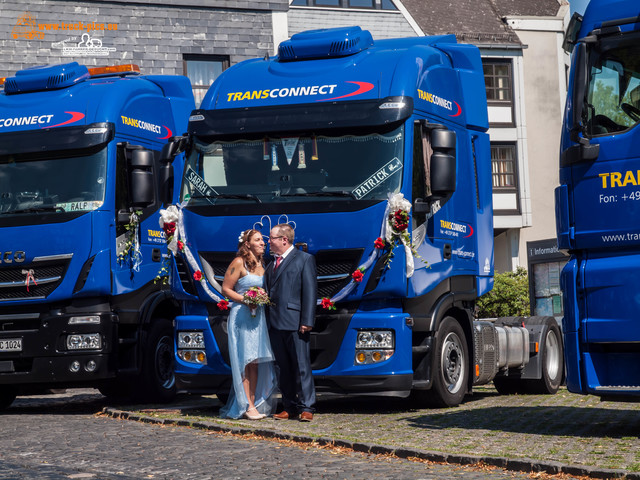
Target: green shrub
(508,298)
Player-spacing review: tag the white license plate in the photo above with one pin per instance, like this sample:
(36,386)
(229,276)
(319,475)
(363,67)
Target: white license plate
(11,345)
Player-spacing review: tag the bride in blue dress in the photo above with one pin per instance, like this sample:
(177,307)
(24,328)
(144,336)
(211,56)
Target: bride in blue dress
(251,358)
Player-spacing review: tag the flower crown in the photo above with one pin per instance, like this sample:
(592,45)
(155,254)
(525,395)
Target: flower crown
(243,236)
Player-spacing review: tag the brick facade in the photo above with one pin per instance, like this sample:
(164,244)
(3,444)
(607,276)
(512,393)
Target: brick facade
(155,35)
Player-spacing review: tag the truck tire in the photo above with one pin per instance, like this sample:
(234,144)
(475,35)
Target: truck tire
(552,353)
(7,396)
(158,382)
(451,369)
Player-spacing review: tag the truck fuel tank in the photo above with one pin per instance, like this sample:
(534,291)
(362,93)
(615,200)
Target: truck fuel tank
(498,348)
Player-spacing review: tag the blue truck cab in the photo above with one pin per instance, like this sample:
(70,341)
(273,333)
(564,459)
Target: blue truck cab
(331,136)
(81,184)
(598,201)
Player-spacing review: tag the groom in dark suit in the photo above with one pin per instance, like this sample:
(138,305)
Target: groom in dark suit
(291,283)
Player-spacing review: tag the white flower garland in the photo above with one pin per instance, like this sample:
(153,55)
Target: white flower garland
(395,202)
(173,214)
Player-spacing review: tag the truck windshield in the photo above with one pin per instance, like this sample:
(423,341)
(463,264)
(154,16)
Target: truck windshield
(614,86)
(52,184)
(302,168)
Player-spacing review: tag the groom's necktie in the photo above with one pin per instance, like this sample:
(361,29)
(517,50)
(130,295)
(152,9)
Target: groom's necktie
(278,260)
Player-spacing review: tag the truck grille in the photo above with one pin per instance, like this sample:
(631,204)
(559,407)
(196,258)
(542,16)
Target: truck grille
(185,276)
(334,267)
(47,272)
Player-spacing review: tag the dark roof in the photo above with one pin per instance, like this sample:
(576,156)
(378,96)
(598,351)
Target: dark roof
(529,8)
(477,21)
(472,21)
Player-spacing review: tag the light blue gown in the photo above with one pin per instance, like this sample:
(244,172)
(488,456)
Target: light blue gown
(249,342)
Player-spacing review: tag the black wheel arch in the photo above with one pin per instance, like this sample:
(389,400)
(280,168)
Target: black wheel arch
(454,297)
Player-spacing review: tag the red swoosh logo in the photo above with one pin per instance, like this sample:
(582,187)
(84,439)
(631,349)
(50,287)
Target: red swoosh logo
(75,116)
(169,134)
(363,87)
(459,110)
(471,232)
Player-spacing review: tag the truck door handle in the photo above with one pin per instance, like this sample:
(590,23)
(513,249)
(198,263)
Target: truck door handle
(156,255)
(446,251)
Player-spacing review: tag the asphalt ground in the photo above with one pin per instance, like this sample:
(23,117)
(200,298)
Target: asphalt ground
(567,434)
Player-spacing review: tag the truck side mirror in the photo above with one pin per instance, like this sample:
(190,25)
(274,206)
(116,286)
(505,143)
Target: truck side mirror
(166,183)
(584,151)
(141,178)
(579,89)
(173,147)
(443,162)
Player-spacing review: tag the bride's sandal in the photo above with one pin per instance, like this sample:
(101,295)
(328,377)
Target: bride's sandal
(254,416)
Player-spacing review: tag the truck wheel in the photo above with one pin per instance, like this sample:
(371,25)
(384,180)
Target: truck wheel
(552,360)
(7,396)
(158,380)
(451,370)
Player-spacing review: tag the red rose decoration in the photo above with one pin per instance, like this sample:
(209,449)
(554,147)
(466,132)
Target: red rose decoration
(223,304)
(379,243)
(180,245)
(327,304)
(357,276)
(197,276)
(169,228)
(400,220)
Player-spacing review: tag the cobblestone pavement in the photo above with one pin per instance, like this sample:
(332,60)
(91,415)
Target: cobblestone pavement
(571,433)
(61,437)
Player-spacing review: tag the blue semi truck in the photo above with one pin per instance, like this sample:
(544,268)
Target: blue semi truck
(598,201)
(81,183)
(377,153)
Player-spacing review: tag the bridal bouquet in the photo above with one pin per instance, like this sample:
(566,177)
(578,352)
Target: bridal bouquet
(254,297)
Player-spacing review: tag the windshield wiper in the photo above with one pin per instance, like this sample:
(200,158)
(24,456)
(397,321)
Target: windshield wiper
(337,193)
(241,196)
(36,210)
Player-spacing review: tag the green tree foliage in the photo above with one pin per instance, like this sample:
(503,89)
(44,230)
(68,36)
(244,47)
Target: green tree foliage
(508,298)
(605,102)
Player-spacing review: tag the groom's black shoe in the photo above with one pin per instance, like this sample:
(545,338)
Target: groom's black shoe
(284,415)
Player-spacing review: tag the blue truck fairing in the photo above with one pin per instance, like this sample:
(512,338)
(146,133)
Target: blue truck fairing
(597,202)
(64,139)
(322,143)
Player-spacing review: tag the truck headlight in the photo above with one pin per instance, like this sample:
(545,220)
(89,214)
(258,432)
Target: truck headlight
(373,346)
(191,340)
(377,339)
(193,356)
(87,319)
(84,341)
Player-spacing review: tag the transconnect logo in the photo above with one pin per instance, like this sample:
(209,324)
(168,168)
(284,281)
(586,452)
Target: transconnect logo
(455,229)
(42,121)
(142,125)
(441,102)
(305,91)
